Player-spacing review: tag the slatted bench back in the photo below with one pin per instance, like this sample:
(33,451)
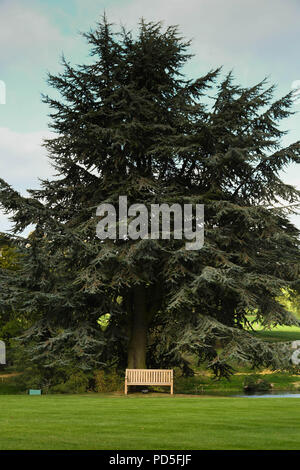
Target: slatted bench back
(149,376)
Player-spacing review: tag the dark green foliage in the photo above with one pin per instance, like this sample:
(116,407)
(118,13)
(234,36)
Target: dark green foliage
(11,387)
(254,383)
(51,379)
(34,377)
(130,124)
(76,383)
(12,322)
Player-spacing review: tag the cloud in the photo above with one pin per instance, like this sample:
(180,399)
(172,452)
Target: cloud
(26,34)
(22,161)
(22,158)
(5,225)
(220,29)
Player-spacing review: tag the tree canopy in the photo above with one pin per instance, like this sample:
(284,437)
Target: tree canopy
(130,123)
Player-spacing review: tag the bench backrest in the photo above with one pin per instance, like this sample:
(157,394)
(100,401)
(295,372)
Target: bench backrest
(149,376)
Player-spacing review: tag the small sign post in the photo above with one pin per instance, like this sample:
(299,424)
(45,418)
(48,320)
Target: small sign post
(35,392)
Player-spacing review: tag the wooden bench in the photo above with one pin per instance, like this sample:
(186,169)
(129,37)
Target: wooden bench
(149,377)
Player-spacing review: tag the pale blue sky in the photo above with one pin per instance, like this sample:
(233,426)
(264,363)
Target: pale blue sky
(255,38)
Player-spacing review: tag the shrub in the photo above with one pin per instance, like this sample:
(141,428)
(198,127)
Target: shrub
(77,383)
(108,381)
(33,377)
(254,383)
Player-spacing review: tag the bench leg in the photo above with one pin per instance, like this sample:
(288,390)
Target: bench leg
(126,387)
(172,389)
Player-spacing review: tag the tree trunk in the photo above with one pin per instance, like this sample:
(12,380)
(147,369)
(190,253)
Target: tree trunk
(139,328)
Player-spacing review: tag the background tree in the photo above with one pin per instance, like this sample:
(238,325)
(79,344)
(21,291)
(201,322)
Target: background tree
(291,301)
(130,124)
(10,324)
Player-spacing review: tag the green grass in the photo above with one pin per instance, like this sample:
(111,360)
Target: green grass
(133,422)
(278,333)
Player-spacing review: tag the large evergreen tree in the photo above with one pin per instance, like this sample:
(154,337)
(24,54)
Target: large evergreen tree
(129,123)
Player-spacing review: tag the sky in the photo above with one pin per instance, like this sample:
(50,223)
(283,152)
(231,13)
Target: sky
(254,38)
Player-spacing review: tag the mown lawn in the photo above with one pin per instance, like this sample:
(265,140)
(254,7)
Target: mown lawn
(278,333)
(133,422)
